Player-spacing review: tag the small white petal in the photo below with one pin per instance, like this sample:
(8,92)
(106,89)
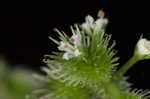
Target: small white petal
(86,27)
(90,20)
(94,25)
(77,39)
(100,23)
(62,47)
(67,56)
(89,24)
(77,53)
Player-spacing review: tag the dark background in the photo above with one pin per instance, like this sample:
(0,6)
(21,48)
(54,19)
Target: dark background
(26,25)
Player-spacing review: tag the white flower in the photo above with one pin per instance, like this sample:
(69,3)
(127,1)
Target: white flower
(76,39)
(65,47)
(68,55)
(91,24)
(100,23)
(143,47)
(70,51)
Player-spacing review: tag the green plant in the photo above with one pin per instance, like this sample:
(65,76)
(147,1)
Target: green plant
(15,83)
(85,67)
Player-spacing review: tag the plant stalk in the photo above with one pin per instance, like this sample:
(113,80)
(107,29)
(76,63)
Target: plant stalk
(127,65)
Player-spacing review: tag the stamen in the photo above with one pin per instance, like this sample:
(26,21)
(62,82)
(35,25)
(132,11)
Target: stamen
(66,46)
(72,40)
(100,13)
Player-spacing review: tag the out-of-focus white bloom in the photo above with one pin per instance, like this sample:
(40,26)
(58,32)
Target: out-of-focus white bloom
(143,48)
(91,24)
(76,39)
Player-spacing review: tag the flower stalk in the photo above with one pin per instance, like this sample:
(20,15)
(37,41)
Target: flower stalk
(142,51)
(127,66)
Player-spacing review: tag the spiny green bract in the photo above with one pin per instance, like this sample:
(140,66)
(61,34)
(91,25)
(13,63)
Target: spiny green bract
(55,89)
(92,67)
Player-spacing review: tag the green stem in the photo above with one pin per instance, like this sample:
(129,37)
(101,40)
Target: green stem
(127,65)
(113,92)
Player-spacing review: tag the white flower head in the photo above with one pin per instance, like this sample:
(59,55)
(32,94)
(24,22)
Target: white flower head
(143,48)
(97,25)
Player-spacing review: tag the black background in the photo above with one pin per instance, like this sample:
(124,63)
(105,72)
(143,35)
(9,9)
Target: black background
(26,25)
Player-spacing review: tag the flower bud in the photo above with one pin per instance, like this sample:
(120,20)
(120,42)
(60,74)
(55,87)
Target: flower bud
(143,49)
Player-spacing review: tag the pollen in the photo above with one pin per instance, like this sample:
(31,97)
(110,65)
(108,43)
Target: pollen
(72,40)
(100,13)
(66,46)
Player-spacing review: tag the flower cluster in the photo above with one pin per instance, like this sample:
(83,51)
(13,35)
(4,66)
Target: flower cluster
(92,25)
(71,47)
